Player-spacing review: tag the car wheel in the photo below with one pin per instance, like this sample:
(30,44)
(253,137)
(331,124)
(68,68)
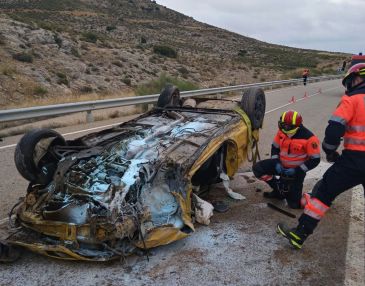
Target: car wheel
(170,96)
(253,102)
(33,158)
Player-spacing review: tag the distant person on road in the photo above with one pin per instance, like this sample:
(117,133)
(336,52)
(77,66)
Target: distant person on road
(343,66)
(294,151)
(305,76)
(348,170)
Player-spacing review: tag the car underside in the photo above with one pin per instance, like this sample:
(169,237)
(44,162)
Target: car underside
(107,194)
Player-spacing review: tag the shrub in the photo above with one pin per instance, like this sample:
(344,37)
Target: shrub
(62,79)
(90,37)
(110,28)
(8,70)
(86,89)
(155,86)
(127,81)
(40,90)
(165,51)
(75,52)
(143,40)
(118,64)
(183,70)
(23,57)
(58,40)
(2,40)
(242,53)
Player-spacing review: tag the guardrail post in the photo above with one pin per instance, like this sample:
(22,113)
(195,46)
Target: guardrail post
(89,116)
(219,96)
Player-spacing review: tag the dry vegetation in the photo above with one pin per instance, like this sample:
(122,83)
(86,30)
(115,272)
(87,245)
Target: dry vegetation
(61,51)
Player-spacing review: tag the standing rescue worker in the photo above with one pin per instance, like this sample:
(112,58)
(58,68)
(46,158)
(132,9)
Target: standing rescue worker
(294,151)
(348,170)
(305,76)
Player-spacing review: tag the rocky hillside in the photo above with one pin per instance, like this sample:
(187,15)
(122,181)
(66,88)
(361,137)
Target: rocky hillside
(58,48)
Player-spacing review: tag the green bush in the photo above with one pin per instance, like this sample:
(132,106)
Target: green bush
(40,90)
(58,40)
(2,40)
(127,81)
(90,37)
(155,86)
(242,53)
(62,79)
(23,57)
(165,51)
(75,52)
(110,28)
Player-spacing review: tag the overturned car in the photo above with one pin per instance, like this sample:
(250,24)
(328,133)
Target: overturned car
(107,194)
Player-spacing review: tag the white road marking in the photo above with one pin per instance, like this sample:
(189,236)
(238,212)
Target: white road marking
(105,126)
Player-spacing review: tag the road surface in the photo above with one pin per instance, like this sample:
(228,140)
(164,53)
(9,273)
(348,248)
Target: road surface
(239,247)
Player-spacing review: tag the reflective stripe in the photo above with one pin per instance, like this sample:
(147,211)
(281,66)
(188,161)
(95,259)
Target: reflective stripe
(311,213)
(338,119)
(266,178)
(283,116)
(354,141)
(329,146)
(304,168)
(285,154)
(276,145)
(315,156)
(357,128)
(275,157)
(314,207)
(294,117)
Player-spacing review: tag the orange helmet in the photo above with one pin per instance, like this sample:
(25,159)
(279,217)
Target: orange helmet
(355,70)
(290,121)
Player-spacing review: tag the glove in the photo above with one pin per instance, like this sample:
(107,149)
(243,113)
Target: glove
(289,172)
(332,157)
(279,168)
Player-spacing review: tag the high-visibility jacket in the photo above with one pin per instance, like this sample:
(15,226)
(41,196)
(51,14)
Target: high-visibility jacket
(300,151)
(347,121)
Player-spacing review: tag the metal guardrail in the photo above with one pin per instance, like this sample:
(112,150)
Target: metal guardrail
(88,106)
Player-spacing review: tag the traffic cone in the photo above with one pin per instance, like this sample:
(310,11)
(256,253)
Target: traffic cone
(292,100)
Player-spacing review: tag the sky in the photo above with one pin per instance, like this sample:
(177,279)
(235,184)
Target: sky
(328,25)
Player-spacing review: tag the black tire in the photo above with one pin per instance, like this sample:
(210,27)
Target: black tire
(169,97)
(253,102)
(40,172)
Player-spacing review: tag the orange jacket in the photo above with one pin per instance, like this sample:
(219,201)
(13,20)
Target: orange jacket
(351,113)
(302,150)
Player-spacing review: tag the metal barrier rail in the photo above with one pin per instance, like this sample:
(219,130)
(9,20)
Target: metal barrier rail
(88,106)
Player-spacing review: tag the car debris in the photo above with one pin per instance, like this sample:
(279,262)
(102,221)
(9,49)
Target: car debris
(135,186)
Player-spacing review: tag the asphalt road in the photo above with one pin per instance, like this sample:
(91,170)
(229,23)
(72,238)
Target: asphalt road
(239,247)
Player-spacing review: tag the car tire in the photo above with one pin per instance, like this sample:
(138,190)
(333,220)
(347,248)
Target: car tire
(253,102)
(40,172)
(169,97)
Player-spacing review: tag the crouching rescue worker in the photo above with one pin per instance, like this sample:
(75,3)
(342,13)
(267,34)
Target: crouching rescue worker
(348,170)
(294,151)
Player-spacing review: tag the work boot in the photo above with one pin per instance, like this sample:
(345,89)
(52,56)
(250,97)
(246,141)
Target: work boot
(293,205)
(296,236)
(273,195)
